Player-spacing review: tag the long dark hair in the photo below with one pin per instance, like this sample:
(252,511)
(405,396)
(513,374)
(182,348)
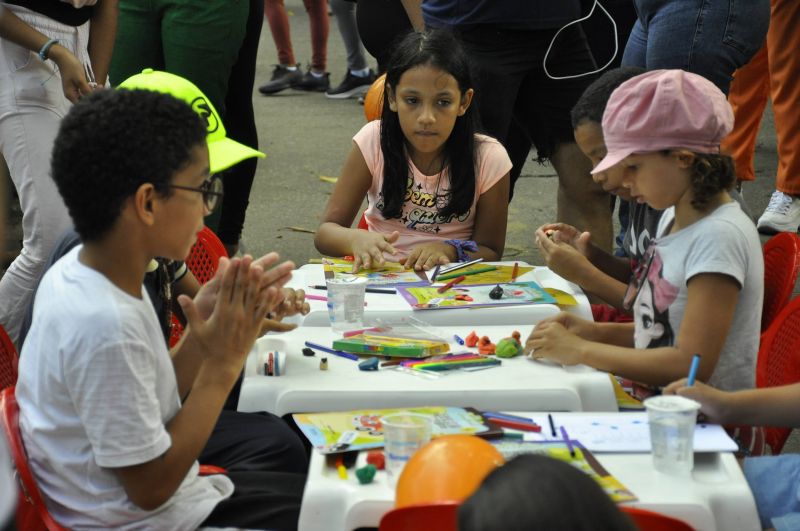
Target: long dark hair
(439,49)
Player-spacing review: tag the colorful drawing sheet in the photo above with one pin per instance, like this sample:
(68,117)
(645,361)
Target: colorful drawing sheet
(503,273)
(359,430)
(460,296)
(583,460)
(389,274)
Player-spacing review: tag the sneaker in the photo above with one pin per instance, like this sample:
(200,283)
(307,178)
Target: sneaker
(781,215)
(313,83)
(351,85)
(282,78)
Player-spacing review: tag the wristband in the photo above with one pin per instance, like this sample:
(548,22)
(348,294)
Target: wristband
(46,48)
(462,246)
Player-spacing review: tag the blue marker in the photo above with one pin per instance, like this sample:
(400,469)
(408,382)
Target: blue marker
(458,340)
(332,351)
(693,370)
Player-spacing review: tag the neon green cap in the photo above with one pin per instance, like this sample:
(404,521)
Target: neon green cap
(222,151)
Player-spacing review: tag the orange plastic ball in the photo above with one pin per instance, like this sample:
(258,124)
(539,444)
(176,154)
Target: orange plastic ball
(373,101)
(449,468)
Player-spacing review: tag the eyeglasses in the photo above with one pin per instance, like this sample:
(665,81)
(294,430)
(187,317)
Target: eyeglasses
(211,190)
(638,277)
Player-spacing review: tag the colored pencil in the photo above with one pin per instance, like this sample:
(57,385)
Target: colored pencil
(515,272)
(435,273)
(515,425)
(450,284)
(552,424)
(467,273)
(693,370)
(316,297)
(494,415)
(566,440)
(386,291)
(460,265)
(339,353)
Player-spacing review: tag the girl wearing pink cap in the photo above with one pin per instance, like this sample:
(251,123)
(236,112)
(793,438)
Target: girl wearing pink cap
(699,288)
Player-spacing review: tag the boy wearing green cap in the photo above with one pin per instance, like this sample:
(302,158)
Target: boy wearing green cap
(113,425)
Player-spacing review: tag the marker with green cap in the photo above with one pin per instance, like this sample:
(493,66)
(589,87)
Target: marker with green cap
(222,151)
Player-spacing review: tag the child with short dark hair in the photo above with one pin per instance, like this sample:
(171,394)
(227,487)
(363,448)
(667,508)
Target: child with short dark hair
(437,192)
(699,286)
(109,438)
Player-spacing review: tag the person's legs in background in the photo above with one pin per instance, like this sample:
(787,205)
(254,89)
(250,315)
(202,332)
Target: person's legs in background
(359,76)
(287,71)
(773,72)
(32,104)
(316,79)
(381,23)
(240,124)
(138,42)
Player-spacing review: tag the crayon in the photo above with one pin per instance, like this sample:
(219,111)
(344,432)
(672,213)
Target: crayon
(516,425)
(467,273)
(450,284)
(515,272)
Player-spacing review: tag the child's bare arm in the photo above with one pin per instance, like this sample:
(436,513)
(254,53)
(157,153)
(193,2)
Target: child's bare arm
(334,236)
(702,331)
(240,307)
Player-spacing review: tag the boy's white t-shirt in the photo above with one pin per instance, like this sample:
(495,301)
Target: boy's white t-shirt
(96,389)
(724,242)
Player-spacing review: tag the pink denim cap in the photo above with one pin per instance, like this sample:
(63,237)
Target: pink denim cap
(664,109)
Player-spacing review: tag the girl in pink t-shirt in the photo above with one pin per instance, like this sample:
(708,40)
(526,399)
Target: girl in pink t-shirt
(437,192)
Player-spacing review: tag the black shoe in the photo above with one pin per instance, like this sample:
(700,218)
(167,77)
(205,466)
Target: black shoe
(282,78)
(312,83)
(351,85)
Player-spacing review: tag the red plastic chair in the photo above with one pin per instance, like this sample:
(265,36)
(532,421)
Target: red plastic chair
(202,261)
(32,513)
(650,521)
(781,264)
(434,517)
(779,362)
(8,360)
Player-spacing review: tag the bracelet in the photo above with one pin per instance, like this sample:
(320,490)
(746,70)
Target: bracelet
(462,246)
(46,48)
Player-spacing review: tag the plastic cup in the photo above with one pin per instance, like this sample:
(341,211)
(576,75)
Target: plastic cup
(672,420)
(404,433)
(346,303)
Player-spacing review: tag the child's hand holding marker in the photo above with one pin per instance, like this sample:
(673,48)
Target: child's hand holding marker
(369,247)
(718,406)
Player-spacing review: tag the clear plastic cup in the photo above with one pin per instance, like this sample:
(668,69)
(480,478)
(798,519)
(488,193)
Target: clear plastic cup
(672,419)
(346,303)
(404,433)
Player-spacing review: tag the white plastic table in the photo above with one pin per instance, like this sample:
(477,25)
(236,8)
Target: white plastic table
(715,497)
(518,384)
(393,305)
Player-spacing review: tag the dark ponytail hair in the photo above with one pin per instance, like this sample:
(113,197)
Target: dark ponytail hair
(439,49)
(710,174)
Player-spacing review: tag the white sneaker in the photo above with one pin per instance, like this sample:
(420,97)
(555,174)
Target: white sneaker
(781,215)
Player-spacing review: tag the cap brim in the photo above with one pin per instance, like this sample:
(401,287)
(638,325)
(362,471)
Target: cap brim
(225,153)
(611,159)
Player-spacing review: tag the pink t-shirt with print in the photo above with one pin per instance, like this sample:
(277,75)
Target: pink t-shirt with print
(420,222)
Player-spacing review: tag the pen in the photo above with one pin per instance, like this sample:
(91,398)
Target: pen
(459,340)
(435,273)
(460,265)
(467,273)
(331,351)
(693,370)
(566,440)
(387,291)
(552,424)
(515,272)
(450,284)
(516,425)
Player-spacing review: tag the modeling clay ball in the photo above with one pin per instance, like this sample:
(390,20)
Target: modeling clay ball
(471,340)
(368,365)
(550,233)
(508,348)
(366,474)
(449,468)
(485,346)
(377,458)
(496,293)
(516,335)
(308,352)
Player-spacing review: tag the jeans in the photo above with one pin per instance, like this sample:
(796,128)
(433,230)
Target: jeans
(32,104)
(711,38)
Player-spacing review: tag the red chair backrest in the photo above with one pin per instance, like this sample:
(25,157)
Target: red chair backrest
(31,512)
(433,517)
(779,362)
(650,521)
(781,264)
(8,361)
(205,254)
(202,261)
